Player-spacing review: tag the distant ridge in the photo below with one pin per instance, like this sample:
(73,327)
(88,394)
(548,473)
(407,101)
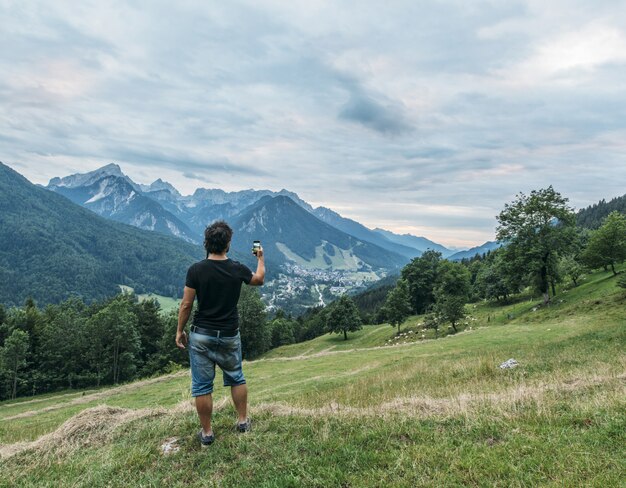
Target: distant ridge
(359,231)
(420,243)
(470,253)
(592,216)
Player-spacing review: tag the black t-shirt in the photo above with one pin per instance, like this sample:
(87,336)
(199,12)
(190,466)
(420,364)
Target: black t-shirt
(218,285)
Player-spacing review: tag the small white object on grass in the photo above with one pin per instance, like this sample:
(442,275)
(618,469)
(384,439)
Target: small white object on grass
(170,446)
(508,364)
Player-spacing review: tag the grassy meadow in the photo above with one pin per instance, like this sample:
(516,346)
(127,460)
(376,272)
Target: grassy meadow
(376,410)
(167,303)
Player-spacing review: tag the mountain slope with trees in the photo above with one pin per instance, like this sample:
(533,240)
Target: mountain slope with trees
(592,216)
(51,248)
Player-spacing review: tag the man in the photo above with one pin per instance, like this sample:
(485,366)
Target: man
(214,337)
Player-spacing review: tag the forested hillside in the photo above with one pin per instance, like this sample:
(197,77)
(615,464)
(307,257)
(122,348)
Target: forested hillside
(592,216)
(51,248)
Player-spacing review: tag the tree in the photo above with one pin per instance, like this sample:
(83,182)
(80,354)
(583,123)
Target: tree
(312,324)
(282,331)
(451,292)
(150,328)
(607,245)
(255,333)
(344,317)
(569,266)
(536,228)
(14,356)
(167,353)
(114,340)
(421,274)
(432,321)
(495,279)
(398,305)
(63,343)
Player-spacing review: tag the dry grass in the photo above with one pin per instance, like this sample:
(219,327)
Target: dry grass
(91,426)
(97,396)
(99,424)
(461,404)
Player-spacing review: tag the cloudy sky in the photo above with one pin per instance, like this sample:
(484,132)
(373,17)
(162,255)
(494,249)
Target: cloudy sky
(420,117)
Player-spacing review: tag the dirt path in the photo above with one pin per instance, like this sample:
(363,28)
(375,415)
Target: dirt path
(46,399)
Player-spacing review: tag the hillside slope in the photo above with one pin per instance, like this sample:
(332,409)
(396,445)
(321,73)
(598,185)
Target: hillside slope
(51,248)
(428,413)
(291,234)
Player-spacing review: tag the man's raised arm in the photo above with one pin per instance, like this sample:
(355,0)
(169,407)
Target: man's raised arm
(258,277)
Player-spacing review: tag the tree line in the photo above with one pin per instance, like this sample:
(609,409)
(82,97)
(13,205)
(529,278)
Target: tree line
(542,247)
(77,345)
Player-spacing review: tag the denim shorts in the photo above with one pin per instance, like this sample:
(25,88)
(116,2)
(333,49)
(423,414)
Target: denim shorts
(207,351)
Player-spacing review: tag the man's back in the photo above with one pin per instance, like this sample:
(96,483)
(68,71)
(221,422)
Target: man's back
(215,338)
(218,285)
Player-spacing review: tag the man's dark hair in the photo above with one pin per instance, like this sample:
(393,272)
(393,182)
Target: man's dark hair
(217,236)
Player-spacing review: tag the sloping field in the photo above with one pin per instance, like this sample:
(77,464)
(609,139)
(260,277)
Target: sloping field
(425,413)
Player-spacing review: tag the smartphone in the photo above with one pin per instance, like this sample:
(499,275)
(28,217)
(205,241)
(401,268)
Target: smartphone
(256,245)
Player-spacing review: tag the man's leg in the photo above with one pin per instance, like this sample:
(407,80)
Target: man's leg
(240,399)
(204,406)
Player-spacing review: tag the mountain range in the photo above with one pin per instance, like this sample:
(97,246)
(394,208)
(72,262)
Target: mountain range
(159,207)
(51,248)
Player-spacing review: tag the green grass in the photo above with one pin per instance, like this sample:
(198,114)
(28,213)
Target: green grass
(167,303)
(350,413)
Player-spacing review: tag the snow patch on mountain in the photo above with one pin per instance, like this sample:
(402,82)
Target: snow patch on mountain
(144,220)
(86,179)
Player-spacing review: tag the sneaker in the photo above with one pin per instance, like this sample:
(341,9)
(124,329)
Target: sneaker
(205,440)
(244,426)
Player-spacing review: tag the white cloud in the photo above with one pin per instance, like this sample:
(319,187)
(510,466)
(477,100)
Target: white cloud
(569,58)
(436,108)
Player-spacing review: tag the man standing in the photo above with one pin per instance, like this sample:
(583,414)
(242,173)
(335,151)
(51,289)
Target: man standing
(214,337)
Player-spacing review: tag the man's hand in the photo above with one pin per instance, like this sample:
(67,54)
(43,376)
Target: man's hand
(181,339)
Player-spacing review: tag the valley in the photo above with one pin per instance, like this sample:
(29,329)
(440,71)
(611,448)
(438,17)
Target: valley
(298,288)
(421,412)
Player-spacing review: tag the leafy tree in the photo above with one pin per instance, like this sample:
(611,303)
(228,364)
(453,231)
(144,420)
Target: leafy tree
(607,245)
(255,333)
(570,267)
(14,356)
(149,326)
(343,317)
(115,341)
(398,305)
(312,324)
(63,343)
(432,321)
(495,279)
(167,353)
(282,331)
(421,274)
(537,229)
(452,292)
